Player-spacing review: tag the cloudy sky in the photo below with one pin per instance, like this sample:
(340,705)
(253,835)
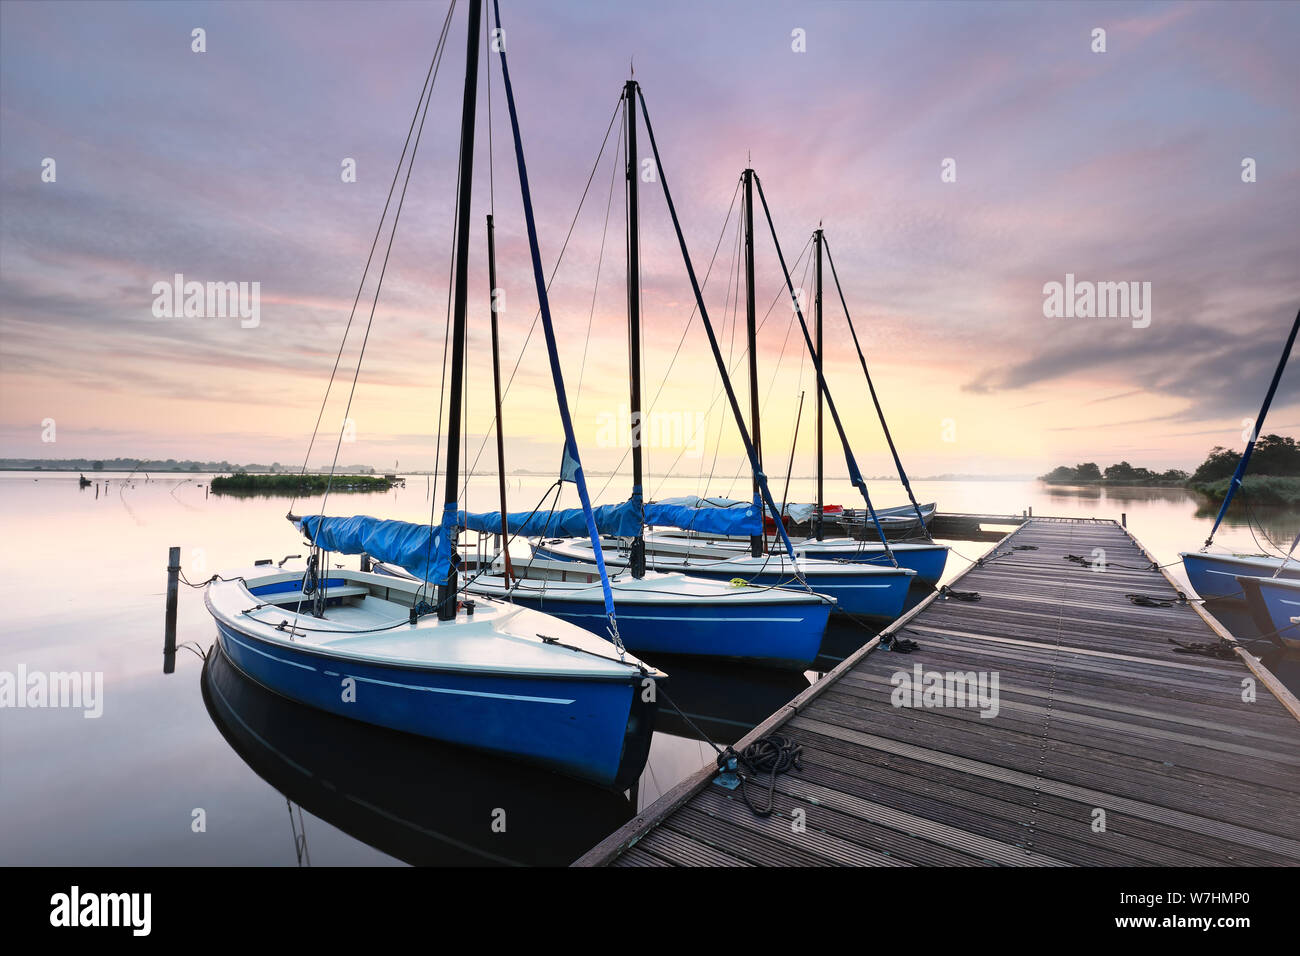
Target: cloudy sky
(225,166)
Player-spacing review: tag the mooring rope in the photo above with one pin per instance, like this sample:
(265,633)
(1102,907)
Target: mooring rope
(773,754)
(1221,649)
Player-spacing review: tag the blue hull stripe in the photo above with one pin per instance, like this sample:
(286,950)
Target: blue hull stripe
(467,693)
(678,617)
(258,650)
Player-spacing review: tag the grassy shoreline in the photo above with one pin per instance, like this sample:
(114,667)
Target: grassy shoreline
(1258,489)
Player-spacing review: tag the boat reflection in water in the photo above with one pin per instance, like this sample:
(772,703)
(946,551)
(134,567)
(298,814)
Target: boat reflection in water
(421,801)
(844,636)
(723,701)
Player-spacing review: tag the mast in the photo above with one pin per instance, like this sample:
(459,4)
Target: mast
(496,394)
(637,562)
(818,529)
(751,334)
(447,590)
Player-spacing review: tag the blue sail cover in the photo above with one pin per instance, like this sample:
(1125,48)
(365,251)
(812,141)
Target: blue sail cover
(623,520)
(423,551)
(707,515)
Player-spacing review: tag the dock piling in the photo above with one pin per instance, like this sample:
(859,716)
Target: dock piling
(169,631)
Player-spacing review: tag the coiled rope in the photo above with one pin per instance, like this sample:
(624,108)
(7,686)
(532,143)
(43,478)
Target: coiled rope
(774,754)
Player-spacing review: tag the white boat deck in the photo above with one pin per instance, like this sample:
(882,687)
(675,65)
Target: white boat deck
(497,637)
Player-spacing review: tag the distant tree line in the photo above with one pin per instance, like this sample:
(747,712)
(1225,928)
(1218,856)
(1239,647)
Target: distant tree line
(1275,456)
(1272,478)
(1120,473)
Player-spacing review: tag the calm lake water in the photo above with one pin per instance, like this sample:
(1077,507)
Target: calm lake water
(276,783)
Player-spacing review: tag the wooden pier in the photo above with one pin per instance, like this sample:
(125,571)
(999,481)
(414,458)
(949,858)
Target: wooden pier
(1108,747)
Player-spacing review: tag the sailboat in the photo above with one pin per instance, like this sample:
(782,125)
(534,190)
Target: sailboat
(897,522)
(659,612)
(1215,575)
(477,672)
(926,558)
(875,592)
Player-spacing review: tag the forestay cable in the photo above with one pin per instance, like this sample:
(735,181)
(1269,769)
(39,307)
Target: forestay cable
(764,491)
(898,463)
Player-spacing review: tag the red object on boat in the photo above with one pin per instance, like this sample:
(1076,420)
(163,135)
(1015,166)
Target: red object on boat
(769,525)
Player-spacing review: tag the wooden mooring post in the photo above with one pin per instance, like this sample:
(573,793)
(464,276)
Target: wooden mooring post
(169,630)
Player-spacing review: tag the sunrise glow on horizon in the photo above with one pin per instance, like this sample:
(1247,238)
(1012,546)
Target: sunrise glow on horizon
(1122,166)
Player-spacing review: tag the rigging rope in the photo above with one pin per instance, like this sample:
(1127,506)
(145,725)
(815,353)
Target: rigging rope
(554,270)
(426,90)
(401,200)
(780,359)
(855,476)
(595,288)
(898,463)
(721,392)
(713,344)
(548,329)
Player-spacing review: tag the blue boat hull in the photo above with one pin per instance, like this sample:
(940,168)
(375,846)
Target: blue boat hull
(769,635)
(596,730)
(1215,576)
(1272,604)
(878,597)
(928,563)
